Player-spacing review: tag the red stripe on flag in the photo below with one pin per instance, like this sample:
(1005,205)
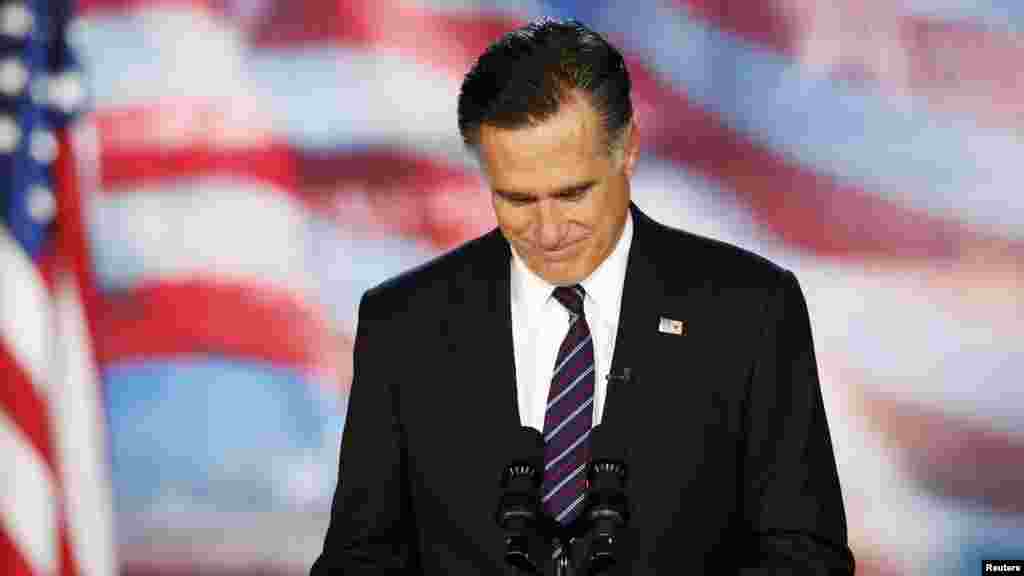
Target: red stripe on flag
(807,208)
(182,139)
(14,564)
(137,168)
(76,159)
(206,317)
(944,452)
(381,169)
(73,259)
(765,23)
(449,41)
(74,152)
(401,192)
(69,565)
(94,7)
(966,68)
(48,264)
(782,25)
(21,402)
(956,66)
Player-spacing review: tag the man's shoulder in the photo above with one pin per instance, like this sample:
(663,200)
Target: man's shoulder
(472,260)
(689,255)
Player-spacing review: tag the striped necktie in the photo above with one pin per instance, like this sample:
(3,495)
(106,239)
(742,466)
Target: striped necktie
(569,414)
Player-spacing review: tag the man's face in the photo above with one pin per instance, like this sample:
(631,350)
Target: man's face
(560,199)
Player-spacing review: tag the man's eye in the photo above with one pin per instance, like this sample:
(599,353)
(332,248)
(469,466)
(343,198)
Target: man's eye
(575,194)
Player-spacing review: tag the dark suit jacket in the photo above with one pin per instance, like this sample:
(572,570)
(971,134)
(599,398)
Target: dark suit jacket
(731,470)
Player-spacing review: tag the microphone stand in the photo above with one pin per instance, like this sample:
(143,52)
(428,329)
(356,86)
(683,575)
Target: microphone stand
(563,558)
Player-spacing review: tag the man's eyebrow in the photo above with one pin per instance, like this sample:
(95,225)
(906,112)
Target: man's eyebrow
(513,194)
(571,189)
(575,187)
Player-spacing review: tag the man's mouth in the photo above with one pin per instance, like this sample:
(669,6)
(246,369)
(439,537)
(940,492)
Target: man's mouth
(559,254)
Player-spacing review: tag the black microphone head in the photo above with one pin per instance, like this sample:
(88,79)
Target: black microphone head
(609,458)
(519,505)
(607,503)
(525,457)
(521,478)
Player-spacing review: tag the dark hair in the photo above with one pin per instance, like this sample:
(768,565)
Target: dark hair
(523,78)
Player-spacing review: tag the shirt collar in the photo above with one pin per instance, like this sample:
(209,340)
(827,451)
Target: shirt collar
(603,286)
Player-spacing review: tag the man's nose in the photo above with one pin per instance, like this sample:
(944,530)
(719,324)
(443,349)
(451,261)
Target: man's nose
(550,225)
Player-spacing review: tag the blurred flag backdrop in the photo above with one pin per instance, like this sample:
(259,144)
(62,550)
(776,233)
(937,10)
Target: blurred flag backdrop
(55,504)
(260,163)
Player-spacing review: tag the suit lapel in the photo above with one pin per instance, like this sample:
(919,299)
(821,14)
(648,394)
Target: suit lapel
(642,295)
(491,335)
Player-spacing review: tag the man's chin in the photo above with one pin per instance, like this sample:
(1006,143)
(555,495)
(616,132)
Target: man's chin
(559,273)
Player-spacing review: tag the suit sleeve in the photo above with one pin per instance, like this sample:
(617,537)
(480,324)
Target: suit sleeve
(792,503)
(371,530)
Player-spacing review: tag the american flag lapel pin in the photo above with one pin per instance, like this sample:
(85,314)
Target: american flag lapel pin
(670,326)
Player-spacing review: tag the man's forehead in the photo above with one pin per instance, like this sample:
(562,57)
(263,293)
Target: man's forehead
(575,127)
(541,169)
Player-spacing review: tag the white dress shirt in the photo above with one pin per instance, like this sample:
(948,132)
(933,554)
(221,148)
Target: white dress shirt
(540,323)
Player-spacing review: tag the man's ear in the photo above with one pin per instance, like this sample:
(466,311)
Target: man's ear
(631,148)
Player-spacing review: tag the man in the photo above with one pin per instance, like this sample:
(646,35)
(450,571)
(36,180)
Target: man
(731,468)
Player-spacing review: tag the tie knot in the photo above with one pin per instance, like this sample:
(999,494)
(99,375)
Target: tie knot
(571,297)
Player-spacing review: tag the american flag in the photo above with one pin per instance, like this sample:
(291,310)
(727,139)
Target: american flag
(262,162)
(55,504)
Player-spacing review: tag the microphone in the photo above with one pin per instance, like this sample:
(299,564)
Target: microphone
(625,377)
(519,506)
(607,507)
